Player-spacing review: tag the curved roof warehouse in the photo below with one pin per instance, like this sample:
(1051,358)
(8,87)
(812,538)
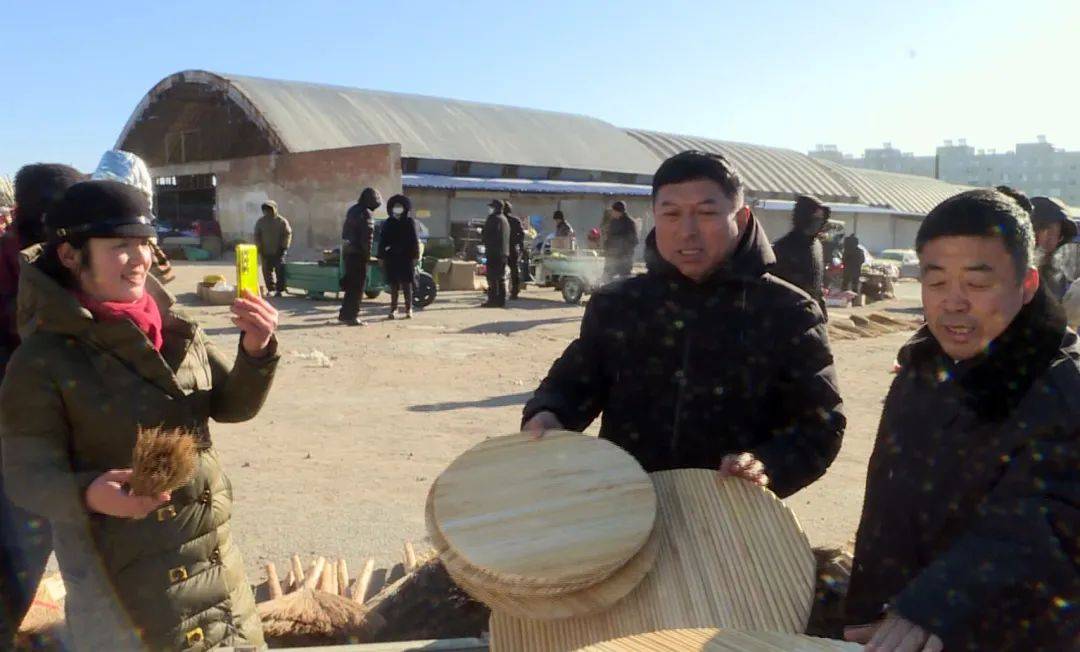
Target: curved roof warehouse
(252,135)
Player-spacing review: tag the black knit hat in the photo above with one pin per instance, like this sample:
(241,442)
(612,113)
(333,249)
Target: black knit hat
(619,206)
(497,204)
(1047,211)
(100,209)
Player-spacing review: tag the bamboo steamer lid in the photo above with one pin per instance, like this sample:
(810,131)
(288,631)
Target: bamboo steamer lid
(731,555)
(721,640)
(543,517)
(583,602)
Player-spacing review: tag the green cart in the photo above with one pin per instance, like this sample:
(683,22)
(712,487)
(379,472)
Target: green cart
(318,279)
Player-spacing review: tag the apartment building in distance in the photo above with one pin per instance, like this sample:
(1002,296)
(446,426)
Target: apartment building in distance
(1036,168)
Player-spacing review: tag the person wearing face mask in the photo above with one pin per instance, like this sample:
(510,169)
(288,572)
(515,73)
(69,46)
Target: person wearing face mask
(800,257)
(969,532)
(357,235)
(706,360)
(496,236)
(1053,228)
(399,251)
(105,353)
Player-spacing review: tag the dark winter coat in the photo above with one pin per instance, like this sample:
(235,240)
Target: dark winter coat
(622,237)
(853,256)
(399,248)
(971,524)
(800,260)
(75,393)
(358,231)
(686,373)
(496,236)
(1054,278)
(517,236)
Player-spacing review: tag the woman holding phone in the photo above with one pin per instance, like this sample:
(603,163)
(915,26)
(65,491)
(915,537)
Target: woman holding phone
(104,354)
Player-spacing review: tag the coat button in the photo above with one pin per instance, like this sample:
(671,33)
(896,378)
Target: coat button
(205,497)
(215,556)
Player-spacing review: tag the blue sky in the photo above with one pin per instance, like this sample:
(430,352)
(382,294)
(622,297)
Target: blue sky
(790,74)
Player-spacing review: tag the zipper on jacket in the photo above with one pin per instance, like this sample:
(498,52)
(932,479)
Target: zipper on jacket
(684,381)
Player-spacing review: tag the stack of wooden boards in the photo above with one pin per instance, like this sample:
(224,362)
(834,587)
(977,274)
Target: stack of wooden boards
(571,544)
(552,528)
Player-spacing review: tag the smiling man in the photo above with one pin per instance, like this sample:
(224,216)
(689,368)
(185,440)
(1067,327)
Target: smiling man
(706,361)
(970,532)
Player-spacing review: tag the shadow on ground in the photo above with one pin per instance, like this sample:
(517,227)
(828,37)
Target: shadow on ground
(490,402)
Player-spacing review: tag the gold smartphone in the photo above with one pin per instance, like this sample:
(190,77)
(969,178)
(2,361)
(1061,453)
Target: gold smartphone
(247,269)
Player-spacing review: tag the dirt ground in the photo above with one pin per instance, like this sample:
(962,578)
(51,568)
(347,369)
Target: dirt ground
(361,420)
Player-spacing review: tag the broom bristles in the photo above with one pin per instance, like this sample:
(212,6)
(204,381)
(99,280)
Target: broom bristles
(163,460)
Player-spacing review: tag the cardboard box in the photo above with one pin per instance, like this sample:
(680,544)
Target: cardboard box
(461,275)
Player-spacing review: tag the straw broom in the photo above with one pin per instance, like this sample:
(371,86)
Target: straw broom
(163,460)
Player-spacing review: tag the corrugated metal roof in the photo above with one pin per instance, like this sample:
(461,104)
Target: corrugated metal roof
(763,169)
(525,185)
(305,117)
(903,192)
(300,117)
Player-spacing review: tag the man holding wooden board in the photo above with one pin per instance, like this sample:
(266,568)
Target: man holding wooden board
(706,361)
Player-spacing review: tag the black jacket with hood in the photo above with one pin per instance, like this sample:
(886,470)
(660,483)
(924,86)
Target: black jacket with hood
(359,228)
(399,243)
(622,237)
(800,257)
(971,523)
(496,236)
(686,373)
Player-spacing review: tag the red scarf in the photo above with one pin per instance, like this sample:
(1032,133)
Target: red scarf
(144,313)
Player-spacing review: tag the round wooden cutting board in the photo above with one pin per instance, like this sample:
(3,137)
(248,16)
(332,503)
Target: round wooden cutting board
(543,517)
(583,602)
(731,555)
(721,640)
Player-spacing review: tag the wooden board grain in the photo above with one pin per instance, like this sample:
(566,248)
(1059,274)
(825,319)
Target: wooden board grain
(721,640)
(539,517)
(583,602)
(731,555)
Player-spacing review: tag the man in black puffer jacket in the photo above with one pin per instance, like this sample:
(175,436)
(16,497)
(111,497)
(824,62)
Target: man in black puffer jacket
(706,361)
(357,235)
(800,257)
(970,531)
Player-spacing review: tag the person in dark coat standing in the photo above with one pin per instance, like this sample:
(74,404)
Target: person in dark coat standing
(1053,228)
(357,234)
(563,229)
(496,236)
(705,361)
(25,538)
(970,530)
(853,259)
(399,251)
(517,248)
(619,245)
(800,258)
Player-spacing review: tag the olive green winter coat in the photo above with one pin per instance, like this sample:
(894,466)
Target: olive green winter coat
(74,395)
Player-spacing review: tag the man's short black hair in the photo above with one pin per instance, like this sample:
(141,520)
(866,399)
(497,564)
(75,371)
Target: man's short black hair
(694,165)
(987,212)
